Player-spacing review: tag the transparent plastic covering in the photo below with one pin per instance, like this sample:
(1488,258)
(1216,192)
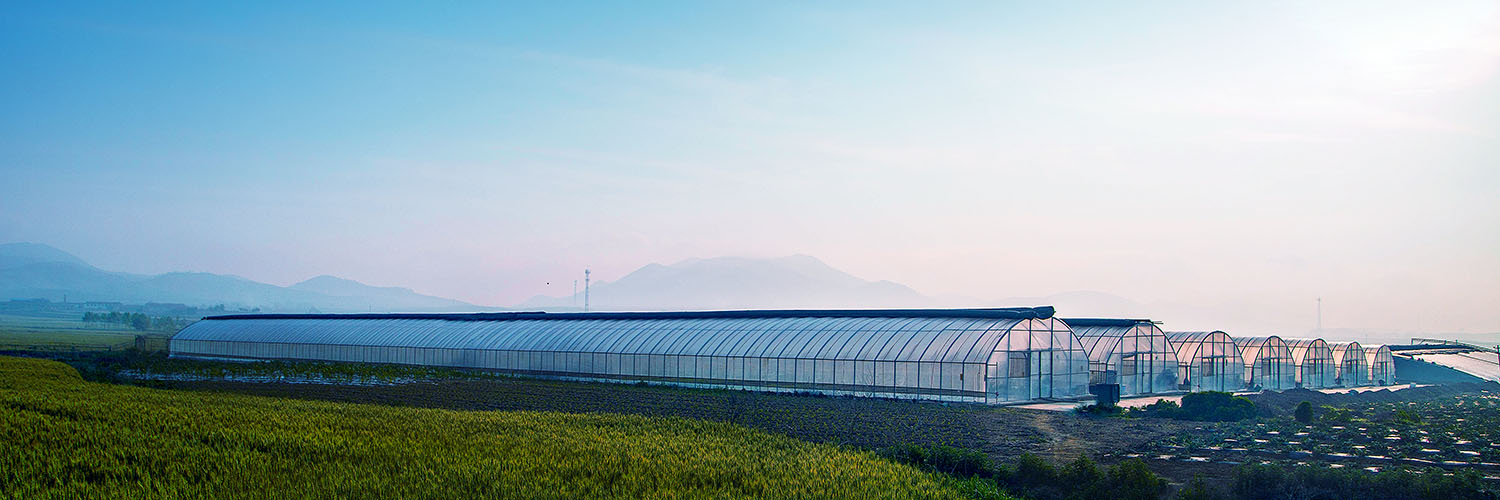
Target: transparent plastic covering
(1349,361)
(1208,361)
(1135,355)
(921,356)
(1382,365)
(1314,361)
(1268,363)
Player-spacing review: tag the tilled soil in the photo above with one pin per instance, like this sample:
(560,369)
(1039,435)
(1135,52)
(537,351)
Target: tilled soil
(1283,403)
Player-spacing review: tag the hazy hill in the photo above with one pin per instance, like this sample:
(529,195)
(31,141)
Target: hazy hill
(797,281)
(30,270)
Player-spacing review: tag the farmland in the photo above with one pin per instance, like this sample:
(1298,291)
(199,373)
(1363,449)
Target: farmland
(67,438)
(1455,432)
(61,334)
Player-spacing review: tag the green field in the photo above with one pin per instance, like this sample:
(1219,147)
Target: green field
(38,333)
(61,437)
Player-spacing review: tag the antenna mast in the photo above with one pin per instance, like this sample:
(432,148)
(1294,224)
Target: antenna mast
(575,293)
(1320,316)
(585,289)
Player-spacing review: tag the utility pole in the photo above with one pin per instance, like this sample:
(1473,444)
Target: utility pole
(585,289)
(1320,316)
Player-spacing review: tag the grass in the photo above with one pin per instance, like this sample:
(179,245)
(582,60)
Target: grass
(62,437)
(36,333)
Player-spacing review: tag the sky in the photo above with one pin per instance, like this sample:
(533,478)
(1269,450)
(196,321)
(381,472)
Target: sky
(1250,156)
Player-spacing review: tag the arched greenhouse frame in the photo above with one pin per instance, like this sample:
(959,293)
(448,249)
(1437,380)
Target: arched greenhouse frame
(990,356)
(1349,360)
(1268,363)
(1382,365)
(1129,352)
(1208,361)
(1314,360)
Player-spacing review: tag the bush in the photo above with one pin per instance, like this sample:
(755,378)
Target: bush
(959,462)
(1216,406)
(1100,410)
(1303,412)
(1197,490)
(1160,409)
(1204,406)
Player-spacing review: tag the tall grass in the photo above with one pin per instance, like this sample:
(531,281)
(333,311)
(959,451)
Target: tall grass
(62,437)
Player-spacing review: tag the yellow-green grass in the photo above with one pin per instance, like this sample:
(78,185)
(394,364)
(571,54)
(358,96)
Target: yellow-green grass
(21,332)
(61,437)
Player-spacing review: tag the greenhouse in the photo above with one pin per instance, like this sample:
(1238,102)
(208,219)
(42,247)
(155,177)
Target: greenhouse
(1129,352)
(1314,362)
(1349,362)
(1268,363)
(973,355)
(1382,365)
(1208,361)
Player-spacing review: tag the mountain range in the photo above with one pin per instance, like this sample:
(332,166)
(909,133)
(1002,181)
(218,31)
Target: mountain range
(798,281)
(32,270)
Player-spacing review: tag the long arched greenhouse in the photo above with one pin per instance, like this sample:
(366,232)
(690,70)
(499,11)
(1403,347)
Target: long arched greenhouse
(1132,353)
(1208,361)
(1268,363)
(1382,365)
(974,355)
(1349,360)
(1314,361)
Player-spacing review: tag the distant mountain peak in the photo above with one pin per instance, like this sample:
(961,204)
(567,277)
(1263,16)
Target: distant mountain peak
(24,253)
(795,281)
(31,270)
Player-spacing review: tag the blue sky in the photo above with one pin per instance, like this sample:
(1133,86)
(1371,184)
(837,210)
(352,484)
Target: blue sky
(1258,154)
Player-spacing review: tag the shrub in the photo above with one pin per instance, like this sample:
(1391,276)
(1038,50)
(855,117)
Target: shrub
(959,462)
(1197,490)
(1216,406)
(1160,409)
(1100,410)
(1303,412)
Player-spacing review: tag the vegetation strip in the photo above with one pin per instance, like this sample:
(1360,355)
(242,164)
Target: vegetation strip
(62,437)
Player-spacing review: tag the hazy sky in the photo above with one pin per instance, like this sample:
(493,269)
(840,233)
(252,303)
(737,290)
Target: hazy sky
(1249,154)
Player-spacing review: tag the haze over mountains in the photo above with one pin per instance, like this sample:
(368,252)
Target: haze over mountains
(31,270)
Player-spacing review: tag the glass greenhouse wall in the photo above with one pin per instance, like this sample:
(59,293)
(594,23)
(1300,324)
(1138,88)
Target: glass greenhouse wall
(1382,365)
(971,355)
(1208,361)
(1132,353)
(1349,362)
(1268,363)
(1314,362)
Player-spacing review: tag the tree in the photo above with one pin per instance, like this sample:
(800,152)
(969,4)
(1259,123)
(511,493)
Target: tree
(140,321)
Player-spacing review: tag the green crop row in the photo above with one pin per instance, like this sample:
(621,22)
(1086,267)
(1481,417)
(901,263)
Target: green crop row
(62,437)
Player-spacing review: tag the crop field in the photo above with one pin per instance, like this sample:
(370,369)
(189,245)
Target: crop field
(1002,433)
(46,334)
(62,437)
(1457,432)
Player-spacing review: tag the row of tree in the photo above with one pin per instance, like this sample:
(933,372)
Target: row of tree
(138,321)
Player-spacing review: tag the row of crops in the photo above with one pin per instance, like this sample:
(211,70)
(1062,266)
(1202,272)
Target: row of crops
(62,437)
(1461,431)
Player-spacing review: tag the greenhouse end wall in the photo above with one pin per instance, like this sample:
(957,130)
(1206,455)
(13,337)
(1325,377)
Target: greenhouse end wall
(1132,353)
(971,355)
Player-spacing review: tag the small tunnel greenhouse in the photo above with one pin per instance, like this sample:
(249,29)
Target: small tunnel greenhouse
(1382,365)
(1132,353)
(1268,363)
(1208,361)
(1314,363)
(1350,363)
